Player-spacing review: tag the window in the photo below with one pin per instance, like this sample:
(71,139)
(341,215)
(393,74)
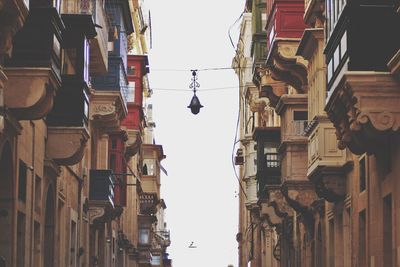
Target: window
(362,237)
(38,193)
(362,174)
(118,166)
(131,92)
(144,236)
(387,231)
(85,108)
(131,70)
(149,167)
(22,181)
(86,55)
(20,240)
(331,243)
(299,122)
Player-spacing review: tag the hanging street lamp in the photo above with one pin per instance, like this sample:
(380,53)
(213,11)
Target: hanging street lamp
(195,102)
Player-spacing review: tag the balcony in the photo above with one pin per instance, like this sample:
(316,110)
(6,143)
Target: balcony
(394,63)
(285,26)
(355,39)
(101,197)
(148,203)
(99,44)
(268,162)
(364,108)
(34,68)
(107,110)
(114,81)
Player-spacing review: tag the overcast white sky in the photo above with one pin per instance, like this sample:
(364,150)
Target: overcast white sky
(201,189)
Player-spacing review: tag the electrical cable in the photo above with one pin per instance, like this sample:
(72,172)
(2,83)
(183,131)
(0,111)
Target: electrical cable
(203,69)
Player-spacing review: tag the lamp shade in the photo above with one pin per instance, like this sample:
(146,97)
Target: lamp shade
(195,105)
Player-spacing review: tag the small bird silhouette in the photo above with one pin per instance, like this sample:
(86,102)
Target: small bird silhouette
(191,245)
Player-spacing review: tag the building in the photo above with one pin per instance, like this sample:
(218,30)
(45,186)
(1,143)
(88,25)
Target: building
(72,135)
(322,118)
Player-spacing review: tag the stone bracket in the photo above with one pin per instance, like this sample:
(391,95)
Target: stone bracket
(268,212)
(364,108)
(102,211)
(299,195)
(277,200)
(30,92)
(330,181)
(66,145)
(133,143)
(286,66)
(270,88)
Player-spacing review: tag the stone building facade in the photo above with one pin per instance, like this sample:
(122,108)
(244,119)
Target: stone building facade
(73,98)
(329,70)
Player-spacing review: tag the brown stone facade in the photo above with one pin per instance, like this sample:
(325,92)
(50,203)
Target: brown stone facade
(337,200)
(70,169)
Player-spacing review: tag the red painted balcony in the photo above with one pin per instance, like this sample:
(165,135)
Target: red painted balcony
(285,26)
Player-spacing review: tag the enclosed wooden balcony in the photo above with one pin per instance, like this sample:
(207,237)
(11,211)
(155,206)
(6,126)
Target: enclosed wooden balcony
(268,160)
(34,68)
(361,36)
(101,197)
(285,26)
(326,163)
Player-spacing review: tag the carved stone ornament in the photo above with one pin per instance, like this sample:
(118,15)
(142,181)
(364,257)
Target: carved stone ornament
(133,143)
(96,213)
(277,200)
(272,89)
(286,66)
(107,110)
(268,212)
(300,195)
(364,108)
(330,182)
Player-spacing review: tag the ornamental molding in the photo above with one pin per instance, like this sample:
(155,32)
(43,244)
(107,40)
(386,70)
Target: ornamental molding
(299,195)
(96,213)
(277,200)
(286,66)
(270,88)
(107,110)
(104,109)
(330,181)
(364,108)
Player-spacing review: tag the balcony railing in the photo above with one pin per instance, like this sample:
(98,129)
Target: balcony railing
(102,186)
(163,237)
(148,203)
(296,128)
